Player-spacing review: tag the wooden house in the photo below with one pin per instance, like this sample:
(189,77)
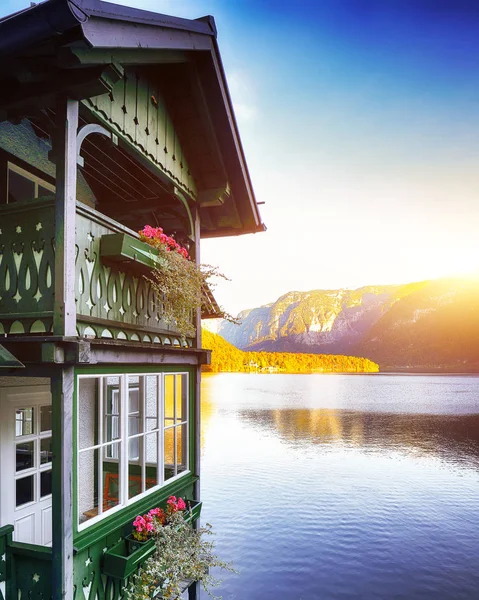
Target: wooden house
(110,118)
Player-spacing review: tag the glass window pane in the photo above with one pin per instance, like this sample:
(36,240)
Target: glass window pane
(25,455)
(45,418)
(19,187)
(88,412)
(151,402)
(134,425)
(169,398)
(45,483)
(45,450)
(24,490)
(135,421)
(111,451)
(181,448)
(169,453)
(135,477)
(112,413)
(111,480)
(24,421)
(181,397)
(133,398)
(151,452)
(88,485)
(134,448)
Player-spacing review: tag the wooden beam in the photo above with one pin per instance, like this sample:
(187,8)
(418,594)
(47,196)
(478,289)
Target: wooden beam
(65,150)
(49,353)
(105,33)
(62,490)
(75,83)
(197,399)
(71,57)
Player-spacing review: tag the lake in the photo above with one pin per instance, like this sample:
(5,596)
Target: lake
(343,486)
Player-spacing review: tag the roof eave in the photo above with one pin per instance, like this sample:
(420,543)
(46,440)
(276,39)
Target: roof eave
(230,231)
(236,139)
(37,24)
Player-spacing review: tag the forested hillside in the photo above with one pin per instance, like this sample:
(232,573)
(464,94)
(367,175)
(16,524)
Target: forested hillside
(226,357)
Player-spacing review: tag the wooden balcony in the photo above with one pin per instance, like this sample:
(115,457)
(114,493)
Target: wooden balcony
(114,299)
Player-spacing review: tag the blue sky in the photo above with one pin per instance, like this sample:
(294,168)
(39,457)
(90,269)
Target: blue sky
(360,124)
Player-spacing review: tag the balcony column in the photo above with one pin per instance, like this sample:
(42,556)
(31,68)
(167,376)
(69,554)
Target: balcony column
(194,589)
(65,153)
(197,408)
(64,325)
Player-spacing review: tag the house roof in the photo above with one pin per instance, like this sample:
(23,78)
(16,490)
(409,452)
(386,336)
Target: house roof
(77,48)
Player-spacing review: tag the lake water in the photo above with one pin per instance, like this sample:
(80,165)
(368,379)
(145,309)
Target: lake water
(343,486)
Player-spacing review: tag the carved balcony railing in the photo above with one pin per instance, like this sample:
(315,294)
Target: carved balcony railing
(25,569)
(5,565)
(114,299)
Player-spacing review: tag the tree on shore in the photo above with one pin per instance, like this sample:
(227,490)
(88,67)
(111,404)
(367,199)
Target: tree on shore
(226,357)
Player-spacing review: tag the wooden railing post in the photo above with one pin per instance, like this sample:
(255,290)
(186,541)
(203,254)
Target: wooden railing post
(197,399)
(62,488)
(65,153)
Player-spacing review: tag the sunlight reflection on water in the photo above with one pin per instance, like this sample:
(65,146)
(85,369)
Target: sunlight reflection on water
(331,487)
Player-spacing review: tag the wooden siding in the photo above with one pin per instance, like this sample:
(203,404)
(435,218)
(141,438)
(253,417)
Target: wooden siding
(135,110)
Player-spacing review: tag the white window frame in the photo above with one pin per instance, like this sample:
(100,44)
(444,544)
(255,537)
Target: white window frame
(38,181)
(37,467)
(176,425)
(124,461)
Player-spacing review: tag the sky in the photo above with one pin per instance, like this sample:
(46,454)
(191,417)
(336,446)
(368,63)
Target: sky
(360,124)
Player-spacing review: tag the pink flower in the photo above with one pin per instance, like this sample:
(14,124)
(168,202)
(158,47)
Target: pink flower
(139,523)
(155,237)
(181,504)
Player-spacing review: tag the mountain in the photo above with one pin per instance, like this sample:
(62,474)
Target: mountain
(225,357)
(425,325)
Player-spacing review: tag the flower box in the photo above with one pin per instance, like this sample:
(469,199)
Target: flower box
(133,544)
(118,563)
(126,249)
(195,510)
(128,554)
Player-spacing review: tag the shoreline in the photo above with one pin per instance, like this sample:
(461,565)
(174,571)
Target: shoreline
(385,372)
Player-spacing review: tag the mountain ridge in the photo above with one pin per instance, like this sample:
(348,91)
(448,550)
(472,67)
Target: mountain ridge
(430,324)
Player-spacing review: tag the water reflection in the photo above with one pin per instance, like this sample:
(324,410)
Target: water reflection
(450,437)
(333,488)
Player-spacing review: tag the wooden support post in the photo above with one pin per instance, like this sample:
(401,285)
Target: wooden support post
(62,489)
(65,152)
(197,406)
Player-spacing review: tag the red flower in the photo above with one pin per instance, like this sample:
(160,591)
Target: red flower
(156,237)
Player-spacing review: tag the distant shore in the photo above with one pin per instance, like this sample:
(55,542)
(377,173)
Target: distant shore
(412,371)
(431,370)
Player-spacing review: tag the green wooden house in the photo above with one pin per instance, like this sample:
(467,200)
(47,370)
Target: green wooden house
(110,118)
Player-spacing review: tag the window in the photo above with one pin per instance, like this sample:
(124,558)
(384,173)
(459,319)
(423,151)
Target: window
(33,454)
(132,438)
(176,425)
(23,185)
